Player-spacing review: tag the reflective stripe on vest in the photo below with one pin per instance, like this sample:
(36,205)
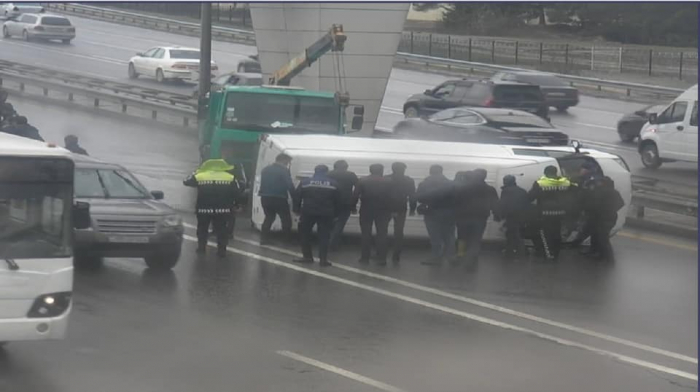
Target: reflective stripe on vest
(554,184)
(214,178)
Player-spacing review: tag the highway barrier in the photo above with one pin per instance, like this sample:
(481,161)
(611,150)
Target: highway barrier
(452,65)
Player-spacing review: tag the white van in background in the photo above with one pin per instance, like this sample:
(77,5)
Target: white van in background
(672,135)
(525,163)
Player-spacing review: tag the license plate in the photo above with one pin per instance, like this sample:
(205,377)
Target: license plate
(122,239)
(537,140)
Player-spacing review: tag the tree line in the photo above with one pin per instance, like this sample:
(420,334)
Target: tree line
(660,23)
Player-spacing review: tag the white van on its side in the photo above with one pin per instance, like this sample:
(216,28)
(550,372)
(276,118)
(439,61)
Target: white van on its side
(524,162)
(672,135)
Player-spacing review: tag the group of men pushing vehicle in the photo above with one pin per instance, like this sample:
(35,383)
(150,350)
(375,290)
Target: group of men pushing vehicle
(328,198)
(11,122)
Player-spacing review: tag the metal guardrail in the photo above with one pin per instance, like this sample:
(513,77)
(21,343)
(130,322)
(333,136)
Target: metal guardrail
(245,36)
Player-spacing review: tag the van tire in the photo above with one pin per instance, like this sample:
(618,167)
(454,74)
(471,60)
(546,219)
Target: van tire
(411,112)
(650,156)
(163,261)
(160,77)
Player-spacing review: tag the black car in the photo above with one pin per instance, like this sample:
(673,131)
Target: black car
(631,124)
(557,93)
(477,93)
(480,125)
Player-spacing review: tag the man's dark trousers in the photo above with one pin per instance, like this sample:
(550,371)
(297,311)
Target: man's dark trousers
(399,219)
(471,231)
(338,226)
(550,236)
(324,225)
(220,223)
(273,206)
(380,220)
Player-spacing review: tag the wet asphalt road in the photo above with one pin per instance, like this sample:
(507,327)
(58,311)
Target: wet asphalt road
(254,321)
(103,49)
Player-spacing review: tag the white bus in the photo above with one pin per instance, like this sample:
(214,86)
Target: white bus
(37,216)
(524,162)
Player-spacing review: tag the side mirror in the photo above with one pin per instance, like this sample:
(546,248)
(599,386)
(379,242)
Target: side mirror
(81,215)
(359,110)
(357,122)
(428,92)
(640,113)
(140,54)
(653,118)
(576,145)
(158,195)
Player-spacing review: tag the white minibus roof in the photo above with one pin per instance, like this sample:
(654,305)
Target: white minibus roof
(11,145)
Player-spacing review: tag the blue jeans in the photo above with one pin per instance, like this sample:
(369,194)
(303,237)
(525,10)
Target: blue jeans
(441,230)
(338,227)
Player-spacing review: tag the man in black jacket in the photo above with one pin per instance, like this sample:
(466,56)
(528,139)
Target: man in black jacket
(403,190)
(602,208)
(374,193)
(71,144)
(317,200)
(513,209)
(275,184)
(477,200)
(552,194)
(436,195)
(23,129)
(346,181)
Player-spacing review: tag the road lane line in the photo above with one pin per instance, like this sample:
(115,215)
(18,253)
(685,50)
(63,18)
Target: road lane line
(340,372)
(485,305)
(462,314)
(658,241)
(64,53)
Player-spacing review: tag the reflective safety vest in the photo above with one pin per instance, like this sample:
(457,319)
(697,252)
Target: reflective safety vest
(553,197)
(217,191)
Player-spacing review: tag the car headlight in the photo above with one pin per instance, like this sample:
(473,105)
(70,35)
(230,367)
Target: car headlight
(172,220)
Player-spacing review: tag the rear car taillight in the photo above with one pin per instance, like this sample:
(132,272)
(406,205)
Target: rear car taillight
(179,66)
(39,28)
(488,102)
(50,305)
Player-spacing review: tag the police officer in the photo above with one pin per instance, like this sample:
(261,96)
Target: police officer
(217,194)
(374,193)
(602,208)
(551,192)
(513,209)
(318,201)
(403,190)
(346,181)
(275,186)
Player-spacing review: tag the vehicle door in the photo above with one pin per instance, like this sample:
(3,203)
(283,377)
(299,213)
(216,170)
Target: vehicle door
(691,135)
(476,95)
(22,22)
(438,99)
(141,62)
(157,61)
(670,127)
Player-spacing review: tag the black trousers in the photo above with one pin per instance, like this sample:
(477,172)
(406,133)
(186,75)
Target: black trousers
(220,223)
(273,206)
(380,221)
(514,240)
(600,237)
(399,219)
(471,232)
(324,226)
(549,236)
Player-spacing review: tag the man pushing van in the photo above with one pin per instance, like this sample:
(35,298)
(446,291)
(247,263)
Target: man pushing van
(550,192)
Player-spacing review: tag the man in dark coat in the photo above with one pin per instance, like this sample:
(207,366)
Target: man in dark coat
(346,181)
(436,197)
(513,208)
(23,129)
(374,192)
(275,186)
(71,144)
(602,210)
(476,201)
(403,190)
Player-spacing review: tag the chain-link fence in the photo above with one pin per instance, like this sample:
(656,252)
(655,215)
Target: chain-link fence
(555,57)
(236,14)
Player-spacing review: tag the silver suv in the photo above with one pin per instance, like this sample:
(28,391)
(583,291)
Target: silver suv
(127,220)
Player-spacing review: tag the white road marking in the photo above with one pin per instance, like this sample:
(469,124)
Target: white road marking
(483,304)
(340,372)
(64,53)
(462,314)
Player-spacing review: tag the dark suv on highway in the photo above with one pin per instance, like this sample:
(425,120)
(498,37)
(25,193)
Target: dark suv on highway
(477,93)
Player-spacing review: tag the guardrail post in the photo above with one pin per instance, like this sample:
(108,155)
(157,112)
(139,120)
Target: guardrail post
(123,108)
(566,56)
(430,44)
(470,49)
(516,52)
(230,12)
(96,103)
(651,53)
(154,114)
(541,50)
(186,121)
(21,87)
(449,49)
(46,91)
(640,212)
(411,51)
(680,68)
(493,52)
(70,97)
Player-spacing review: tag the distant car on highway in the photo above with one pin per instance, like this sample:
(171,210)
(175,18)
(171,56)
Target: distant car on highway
(480,125)
(168,63)
(39,27)
(631,124)
(127,220)
(249,65)
(232,79)
(477,93)
(556,92)
(12,10)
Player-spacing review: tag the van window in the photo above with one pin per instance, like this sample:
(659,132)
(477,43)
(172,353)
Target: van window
(694,115)
(674,113)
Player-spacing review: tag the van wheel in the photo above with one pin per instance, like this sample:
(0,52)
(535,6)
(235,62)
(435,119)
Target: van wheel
(160,78)
(132,71)
(66,41)
(562,108)
(626,138)
(5,32)
(88,262)
(650,156)
(411,112)
(25,36)
(163,261)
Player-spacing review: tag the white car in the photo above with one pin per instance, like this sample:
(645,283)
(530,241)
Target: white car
(39,26)
(12,10)
(165,63)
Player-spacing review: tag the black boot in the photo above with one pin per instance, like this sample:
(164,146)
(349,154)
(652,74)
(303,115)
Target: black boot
(221,252)
(201,248)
